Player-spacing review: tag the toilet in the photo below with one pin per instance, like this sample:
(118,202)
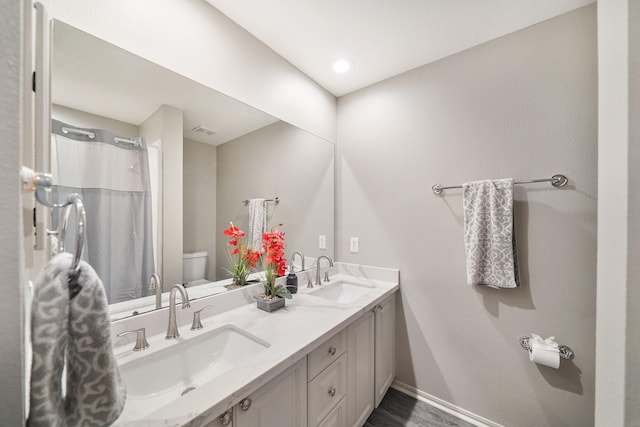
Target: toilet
(193,268)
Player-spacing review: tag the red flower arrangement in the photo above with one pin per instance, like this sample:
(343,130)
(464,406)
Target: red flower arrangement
(275,264)
(242,259)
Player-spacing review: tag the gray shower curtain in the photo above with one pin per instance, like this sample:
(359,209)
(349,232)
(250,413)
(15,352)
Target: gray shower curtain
(112,178)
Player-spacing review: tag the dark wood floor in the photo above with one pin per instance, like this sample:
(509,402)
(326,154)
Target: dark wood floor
(397,409)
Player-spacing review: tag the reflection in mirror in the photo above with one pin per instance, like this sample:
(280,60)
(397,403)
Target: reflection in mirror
(111,175)
(207,153)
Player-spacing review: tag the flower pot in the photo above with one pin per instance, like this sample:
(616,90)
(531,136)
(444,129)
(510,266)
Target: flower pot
(270,305)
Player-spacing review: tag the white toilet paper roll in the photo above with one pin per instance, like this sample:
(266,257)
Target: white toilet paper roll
(545,355)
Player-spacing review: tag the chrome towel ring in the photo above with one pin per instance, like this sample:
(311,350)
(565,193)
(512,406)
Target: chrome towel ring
(41,183)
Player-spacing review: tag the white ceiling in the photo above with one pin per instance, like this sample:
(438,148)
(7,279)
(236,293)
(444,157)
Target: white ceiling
(383,37)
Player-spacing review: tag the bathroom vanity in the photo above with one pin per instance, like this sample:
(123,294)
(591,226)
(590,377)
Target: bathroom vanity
(324,360)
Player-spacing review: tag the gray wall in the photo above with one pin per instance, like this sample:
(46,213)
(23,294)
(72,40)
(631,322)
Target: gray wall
(199,197)
(165,124)
(522,106)
(11,260)
(92,121)
(278,160)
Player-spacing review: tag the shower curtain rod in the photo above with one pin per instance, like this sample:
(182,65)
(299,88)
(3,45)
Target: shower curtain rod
(276,200)
(556,180)
(125,141)
(67,130)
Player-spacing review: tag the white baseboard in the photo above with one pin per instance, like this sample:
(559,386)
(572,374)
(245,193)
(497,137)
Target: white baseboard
(450,408)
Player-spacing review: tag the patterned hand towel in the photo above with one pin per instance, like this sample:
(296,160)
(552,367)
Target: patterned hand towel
(489,238)
(257,222)
(95,393)
(50,315)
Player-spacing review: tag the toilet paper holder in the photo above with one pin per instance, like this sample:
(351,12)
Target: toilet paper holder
(565,352)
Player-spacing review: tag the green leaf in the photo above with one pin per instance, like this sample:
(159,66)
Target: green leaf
(282,292)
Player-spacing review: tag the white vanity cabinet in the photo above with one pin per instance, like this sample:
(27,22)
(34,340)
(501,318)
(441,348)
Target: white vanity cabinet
(337,417)
(224,420)
(371,362)
(361,359)
(282,402)
(385,348)
(327,388)
(337,385)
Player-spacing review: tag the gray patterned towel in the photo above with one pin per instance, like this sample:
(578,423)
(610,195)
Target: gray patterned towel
(80,329)
(257,223)
(489,238)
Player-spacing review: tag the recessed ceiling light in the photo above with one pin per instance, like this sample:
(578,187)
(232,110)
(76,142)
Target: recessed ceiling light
(342,65)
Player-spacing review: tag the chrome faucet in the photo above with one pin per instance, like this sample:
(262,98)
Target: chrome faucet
(326,273)
(156,284)
(172,329)
(293,255)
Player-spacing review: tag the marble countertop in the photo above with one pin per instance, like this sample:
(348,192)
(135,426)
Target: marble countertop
(292,332)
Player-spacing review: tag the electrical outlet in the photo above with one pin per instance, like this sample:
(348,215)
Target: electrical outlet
(322,242)
(354,245)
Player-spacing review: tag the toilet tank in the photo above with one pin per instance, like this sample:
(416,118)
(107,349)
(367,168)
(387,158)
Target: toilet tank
(193,266)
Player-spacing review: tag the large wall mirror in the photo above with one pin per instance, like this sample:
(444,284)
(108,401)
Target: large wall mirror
(167,163)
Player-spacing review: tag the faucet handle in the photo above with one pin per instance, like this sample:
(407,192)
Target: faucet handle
(141,339)
(309,281)
(197,324)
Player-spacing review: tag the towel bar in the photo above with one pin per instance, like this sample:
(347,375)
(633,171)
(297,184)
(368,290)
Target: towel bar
(276,200)
(556,180)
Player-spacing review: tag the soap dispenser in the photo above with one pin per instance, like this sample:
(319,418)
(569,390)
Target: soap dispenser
(292,281)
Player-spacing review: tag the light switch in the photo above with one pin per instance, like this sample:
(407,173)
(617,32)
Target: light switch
(322,242)
(354,245)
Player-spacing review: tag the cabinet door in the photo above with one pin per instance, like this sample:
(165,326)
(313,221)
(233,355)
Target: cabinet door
(282,402)
(360,355)
(385,347)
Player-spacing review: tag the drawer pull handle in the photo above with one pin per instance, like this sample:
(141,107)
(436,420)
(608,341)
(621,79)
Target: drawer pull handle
(332,351)
(332,391)
(245,404)
(226,418)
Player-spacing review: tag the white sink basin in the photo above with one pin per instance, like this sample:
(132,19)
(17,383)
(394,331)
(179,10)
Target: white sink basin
(342,292)
(168,374)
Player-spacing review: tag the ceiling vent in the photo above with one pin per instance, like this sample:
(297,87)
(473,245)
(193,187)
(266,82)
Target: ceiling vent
(204,130)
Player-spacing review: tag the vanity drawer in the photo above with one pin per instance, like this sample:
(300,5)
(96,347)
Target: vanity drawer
(327,390)
(329,351)
(337,417)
